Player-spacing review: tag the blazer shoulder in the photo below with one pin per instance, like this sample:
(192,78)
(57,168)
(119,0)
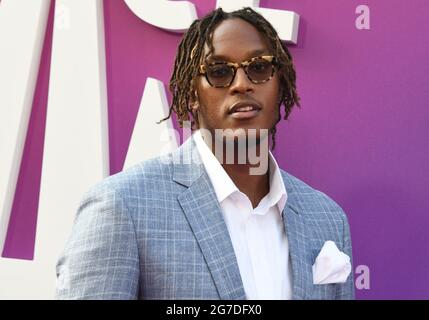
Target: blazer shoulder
(142,176)
(311,198)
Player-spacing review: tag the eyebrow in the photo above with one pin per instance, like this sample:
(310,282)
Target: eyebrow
(250,55)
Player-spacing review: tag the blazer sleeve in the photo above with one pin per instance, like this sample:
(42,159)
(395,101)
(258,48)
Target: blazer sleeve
(100,260)
(346,291)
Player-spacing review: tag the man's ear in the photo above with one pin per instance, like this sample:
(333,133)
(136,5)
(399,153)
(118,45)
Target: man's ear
(195,101)
(194,110)
(194,104)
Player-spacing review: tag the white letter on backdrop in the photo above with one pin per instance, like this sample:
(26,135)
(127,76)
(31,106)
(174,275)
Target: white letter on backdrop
(285,22)
(150,139)
(175,16)
(76,144)
(22,32)
(178,15)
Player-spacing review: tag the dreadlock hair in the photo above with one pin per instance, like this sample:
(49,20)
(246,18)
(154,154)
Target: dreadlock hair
(190,56)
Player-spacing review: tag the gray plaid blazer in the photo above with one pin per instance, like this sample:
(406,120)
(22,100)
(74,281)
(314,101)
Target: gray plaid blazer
(156,231)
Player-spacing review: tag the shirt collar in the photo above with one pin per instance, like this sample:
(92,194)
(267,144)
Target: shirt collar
(223,184)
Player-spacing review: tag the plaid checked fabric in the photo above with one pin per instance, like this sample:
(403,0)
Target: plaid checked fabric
(156,231)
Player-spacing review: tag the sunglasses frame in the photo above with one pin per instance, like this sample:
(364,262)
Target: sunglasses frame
(235,66)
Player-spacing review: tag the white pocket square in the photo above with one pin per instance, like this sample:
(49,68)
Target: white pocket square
(331,266)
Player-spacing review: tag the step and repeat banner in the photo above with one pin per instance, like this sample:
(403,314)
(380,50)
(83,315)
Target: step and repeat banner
(82,83)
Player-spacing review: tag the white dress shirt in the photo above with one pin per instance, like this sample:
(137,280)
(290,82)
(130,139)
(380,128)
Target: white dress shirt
(257,234)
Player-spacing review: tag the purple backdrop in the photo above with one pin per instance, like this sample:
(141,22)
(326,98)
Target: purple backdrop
(361,135)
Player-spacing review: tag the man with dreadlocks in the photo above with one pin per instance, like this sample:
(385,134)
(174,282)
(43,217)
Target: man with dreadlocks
(191,224)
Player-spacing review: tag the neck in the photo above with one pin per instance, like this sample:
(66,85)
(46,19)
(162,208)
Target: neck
(246,166)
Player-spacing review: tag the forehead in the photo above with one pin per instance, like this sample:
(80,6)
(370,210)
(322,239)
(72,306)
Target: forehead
(236,40)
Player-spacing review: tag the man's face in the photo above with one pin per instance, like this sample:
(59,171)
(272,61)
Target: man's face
(235,40)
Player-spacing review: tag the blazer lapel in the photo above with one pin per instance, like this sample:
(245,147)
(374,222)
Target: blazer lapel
(204,215)
(202,210)
(300,234)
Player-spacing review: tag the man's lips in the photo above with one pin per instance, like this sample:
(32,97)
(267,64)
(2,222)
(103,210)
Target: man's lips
(244,110)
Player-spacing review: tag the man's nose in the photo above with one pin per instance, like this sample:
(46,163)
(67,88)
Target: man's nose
(241,83)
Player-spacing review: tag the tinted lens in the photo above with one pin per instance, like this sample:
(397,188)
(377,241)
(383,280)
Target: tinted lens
(219,75)
(260,70)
